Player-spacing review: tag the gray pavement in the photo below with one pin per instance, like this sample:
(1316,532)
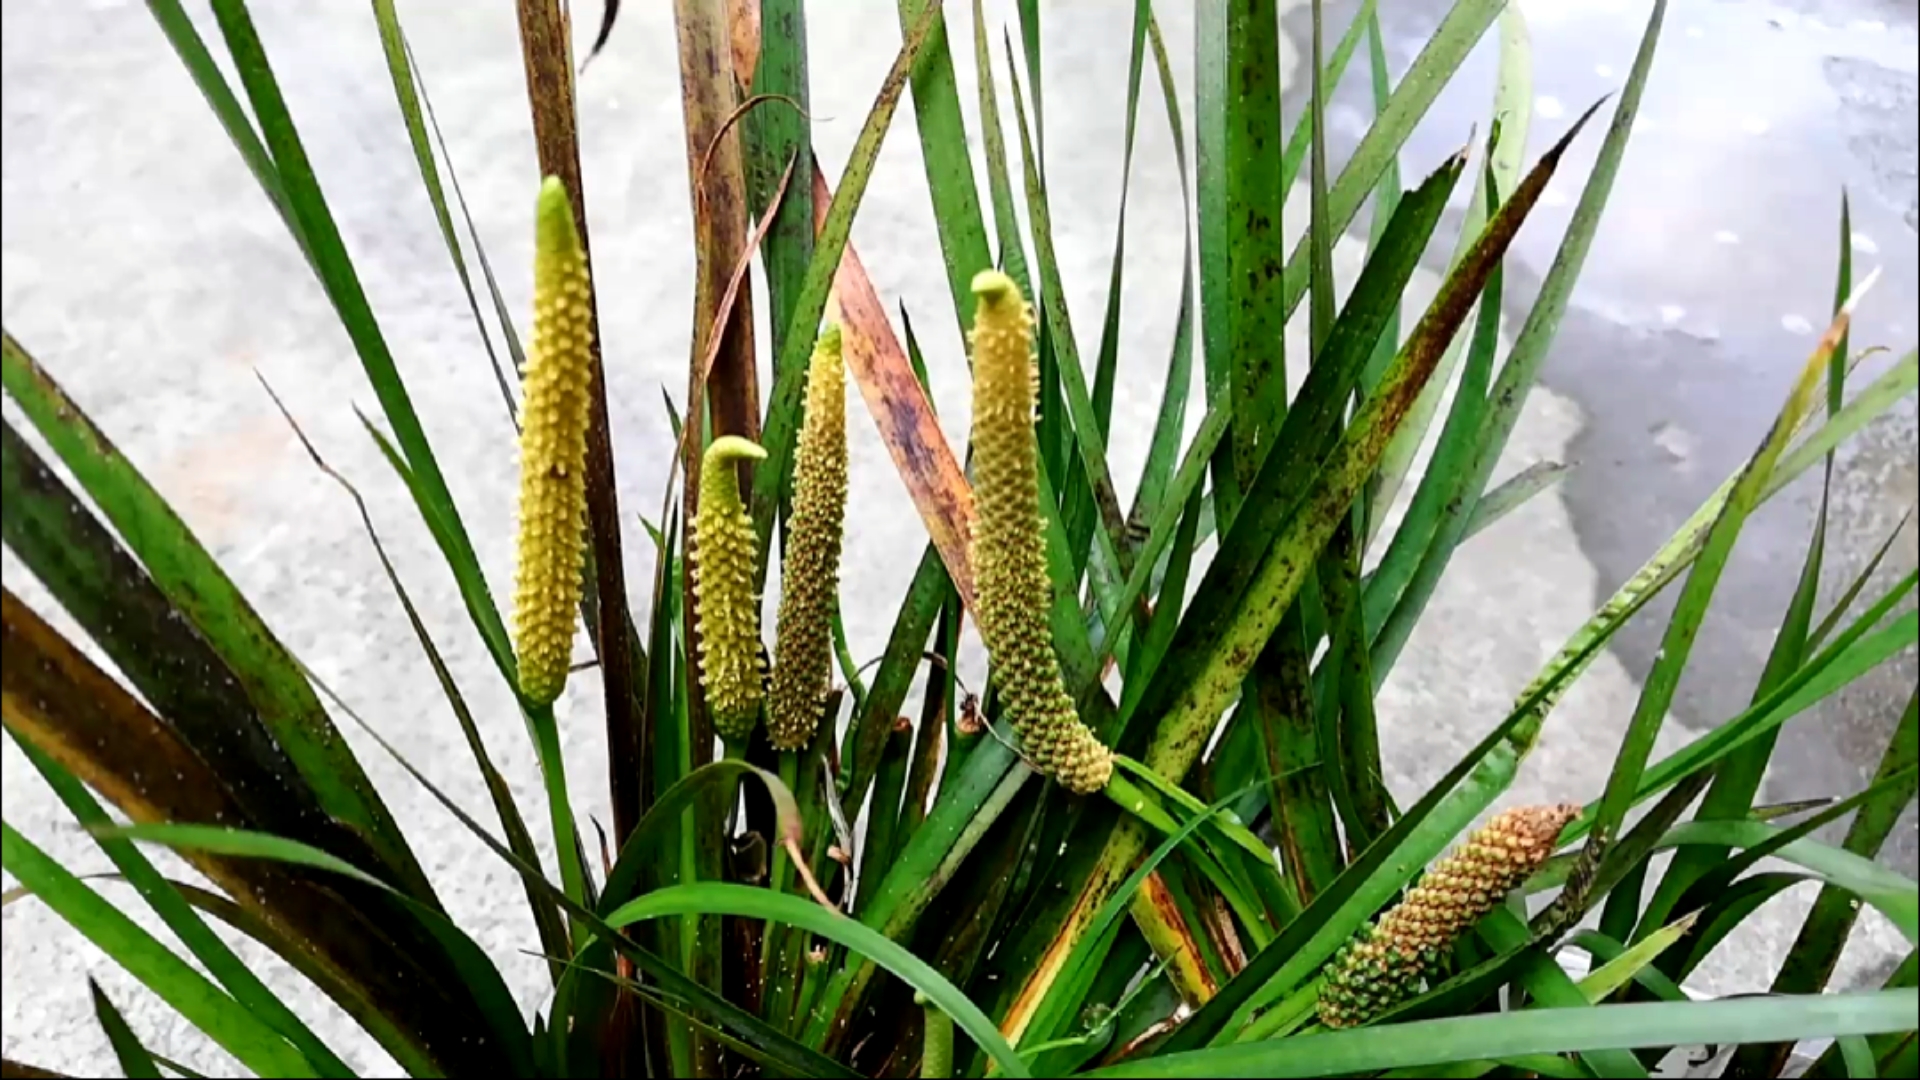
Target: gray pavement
(138,261)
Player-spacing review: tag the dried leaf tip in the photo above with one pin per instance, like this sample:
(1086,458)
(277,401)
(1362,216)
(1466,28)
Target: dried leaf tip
(1009,544)
(1386,962)
(553,451)
(810,567)
(725,609)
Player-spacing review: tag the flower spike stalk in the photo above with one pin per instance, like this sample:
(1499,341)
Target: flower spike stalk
(726,611)
(553,452)
(810,566)
(1009,544)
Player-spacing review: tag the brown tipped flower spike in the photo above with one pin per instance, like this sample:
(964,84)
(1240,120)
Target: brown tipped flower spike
(1009,544)
(810,566)
(553,452)
(726,612)
(1385,963)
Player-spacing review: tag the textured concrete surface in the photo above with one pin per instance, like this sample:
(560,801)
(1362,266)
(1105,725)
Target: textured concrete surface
(142,266)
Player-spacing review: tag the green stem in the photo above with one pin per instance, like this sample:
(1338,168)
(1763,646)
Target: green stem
(936,1053)
(553,767)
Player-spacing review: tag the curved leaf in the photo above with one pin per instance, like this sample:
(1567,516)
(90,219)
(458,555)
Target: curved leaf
(1543,1031)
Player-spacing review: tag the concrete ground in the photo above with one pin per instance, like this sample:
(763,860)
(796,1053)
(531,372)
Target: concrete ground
(142,266)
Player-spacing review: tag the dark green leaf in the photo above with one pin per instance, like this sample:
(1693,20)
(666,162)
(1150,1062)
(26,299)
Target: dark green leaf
(134,1059)
(194,584)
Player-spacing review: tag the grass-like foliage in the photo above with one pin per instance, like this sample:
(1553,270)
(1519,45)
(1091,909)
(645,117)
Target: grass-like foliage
(1159,843)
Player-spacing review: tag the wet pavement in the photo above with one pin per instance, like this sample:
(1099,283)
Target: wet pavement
(1711,277)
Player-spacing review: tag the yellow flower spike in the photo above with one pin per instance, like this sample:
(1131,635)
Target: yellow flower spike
(1384,964)
(553,452)
(1009,544)
(810,565)
(725,609)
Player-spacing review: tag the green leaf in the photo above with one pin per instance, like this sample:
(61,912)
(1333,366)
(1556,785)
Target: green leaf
(1081,511)
(1513,493)
(1006,221)
(1816,948)
(199,62)
(319,970)
(144,634)
(949,164)
(81,717)
(1386,194)
(1858,1056)
(1435,522)
(1737,778)
(1854,588)
(1169,422)
(1260,569)
(1328,384)
(1220,864)
(912,625)
(969,803)
(406,91)
(1605,950)
(1530,347)
(1684,625)
(1894,895)
(540,723)
(1111,539)
(1716,881)
(1277,698)
(1551,987)
(134,1059)
(1299,143)
(1512,119)
(1452,40)
(313,225)
(741,900)
(1630,964)
(771,478)
(1680,549)
(1253,307)
(188,992)
(773,137)
(1542,1031)
(624,879)
(1211,96)
(881,838)
(1841,664)
(1471,786)
(546,916)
